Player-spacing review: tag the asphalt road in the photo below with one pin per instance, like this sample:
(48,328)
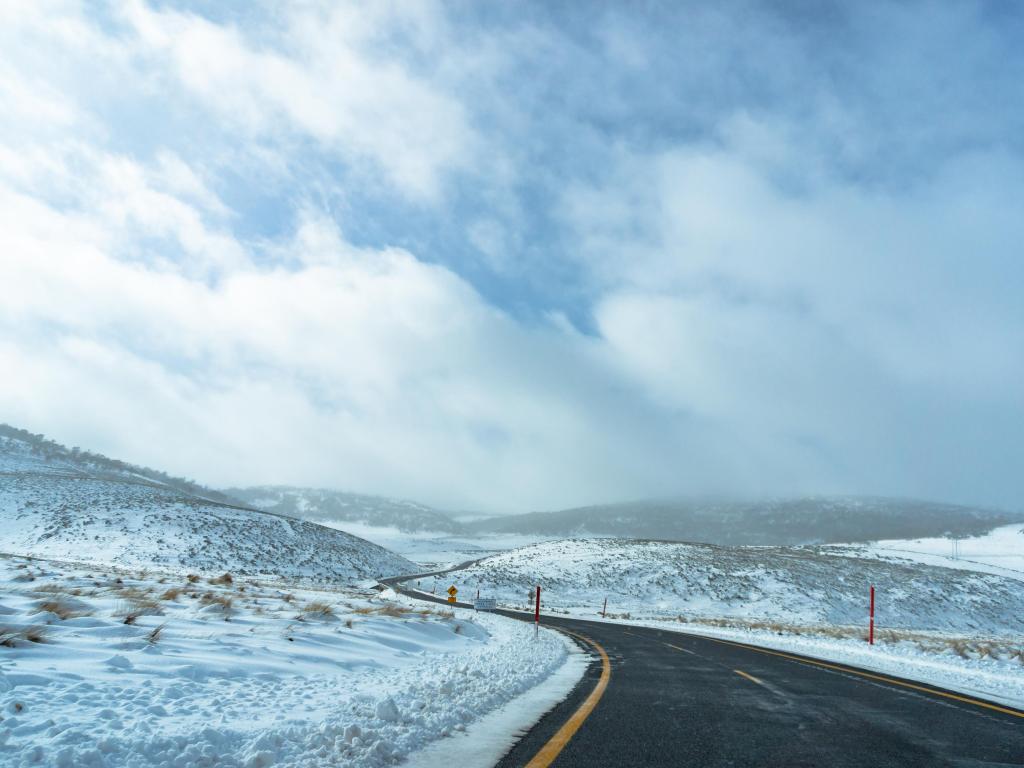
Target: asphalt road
(681,700)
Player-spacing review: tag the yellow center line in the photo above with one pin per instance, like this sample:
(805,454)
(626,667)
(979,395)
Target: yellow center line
(557,743)
(870,676)
(751,678)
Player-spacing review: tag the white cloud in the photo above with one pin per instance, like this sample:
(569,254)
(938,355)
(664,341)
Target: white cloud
(186,282)
(324,78)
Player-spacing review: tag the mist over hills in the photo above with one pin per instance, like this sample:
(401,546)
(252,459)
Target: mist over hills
(792,521)
(319,505)
(807,520)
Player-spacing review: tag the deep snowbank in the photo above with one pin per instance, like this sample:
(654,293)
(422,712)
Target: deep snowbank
(101,669)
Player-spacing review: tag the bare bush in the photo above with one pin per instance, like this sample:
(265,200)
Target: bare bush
(225,579)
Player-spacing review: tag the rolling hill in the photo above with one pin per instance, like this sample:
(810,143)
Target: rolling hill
(57,503)
(792,585)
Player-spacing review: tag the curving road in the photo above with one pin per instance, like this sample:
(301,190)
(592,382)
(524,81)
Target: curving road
(683,700)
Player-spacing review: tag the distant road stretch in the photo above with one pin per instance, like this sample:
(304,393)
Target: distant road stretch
(670,699)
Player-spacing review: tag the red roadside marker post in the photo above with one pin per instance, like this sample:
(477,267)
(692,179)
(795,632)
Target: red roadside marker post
(871,620)
(536,613)
(604,610)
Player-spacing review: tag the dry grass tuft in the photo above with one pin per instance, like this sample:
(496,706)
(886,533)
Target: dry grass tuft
(192,578)
(319,610)
(153,636)
(133,609)
(63,609)
(225,578)
(171,594)
(224,602)
(12,637)
(50,589)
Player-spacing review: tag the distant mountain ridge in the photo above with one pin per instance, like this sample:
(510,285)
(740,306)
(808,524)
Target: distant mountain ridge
(317,505)
(807,520)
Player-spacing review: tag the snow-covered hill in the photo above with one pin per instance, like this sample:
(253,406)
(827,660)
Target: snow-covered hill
(54,507)
(791,585)
(999,551)
(338,507)
(809,520)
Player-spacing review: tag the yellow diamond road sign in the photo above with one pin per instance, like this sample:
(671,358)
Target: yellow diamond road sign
(452,590)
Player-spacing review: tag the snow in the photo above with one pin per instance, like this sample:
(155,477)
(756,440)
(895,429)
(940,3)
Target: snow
(804,586)
(67,515)
(999,551)
(486,741)
(270,677)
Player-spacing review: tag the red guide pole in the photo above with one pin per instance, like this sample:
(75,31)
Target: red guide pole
(536,607)
(605,609)
(871,625)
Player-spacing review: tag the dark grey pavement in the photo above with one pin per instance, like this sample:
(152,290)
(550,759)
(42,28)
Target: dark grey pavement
(681,700)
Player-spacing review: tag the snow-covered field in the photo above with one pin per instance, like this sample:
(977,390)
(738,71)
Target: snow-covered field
(60,511)
(793,585)
(434,550)
(999,551)
(108,668)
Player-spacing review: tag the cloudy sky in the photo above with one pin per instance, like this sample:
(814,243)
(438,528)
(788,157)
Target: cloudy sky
(516,256)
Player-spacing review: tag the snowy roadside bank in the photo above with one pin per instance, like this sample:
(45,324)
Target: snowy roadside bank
(486,741)
(99,669)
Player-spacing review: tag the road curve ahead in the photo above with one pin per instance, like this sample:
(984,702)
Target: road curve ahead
(681,700)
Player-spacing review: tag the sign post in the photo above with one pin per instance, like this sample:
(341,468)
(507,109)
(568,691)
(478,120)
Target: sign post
(871,620)
(604,611)
(536,613)
(452,592)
